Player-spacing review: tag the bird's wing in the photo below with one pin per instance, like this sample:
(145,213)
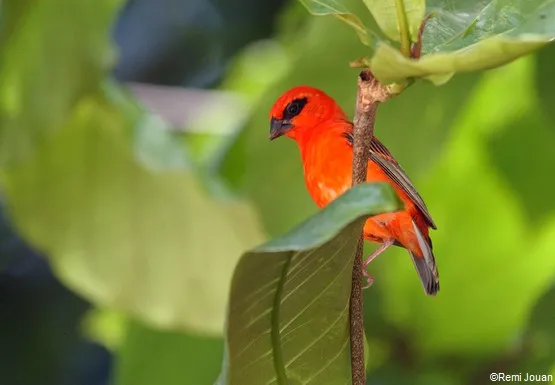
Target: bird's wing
(383,158)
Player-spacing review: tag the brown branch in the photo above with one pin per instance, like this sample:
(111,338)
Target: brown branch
(369,94)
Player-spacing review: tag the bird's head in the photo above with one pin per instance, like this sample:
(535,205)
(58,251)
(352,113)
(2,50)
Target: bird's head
(301,109)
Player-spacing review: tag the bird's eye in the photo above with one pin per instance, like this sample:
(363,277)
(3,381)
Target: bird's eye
(294,108)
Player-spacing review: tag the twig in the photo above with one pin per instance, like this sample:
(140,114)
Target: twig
(369,94)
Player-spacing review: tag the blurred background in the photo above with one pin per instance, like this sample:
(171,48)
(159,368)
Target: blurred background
(480,149)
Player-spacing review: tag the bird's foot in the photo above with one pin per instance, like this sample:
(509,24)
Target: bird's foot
(369,278)
(383,247)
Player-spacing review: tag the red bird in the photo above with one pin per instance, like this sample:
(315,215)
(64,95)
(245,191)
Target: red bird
(325,139)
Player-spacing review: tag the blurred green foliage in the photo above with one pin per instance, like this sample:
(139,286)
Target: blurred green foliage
(480,149)
(150,356)
(107,188)
(44,70)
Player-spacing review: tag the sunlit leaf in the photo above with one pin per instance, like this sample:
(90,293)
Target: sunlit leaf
(337,9)
(289,302)
(388,13)
(126,228)
(389,65)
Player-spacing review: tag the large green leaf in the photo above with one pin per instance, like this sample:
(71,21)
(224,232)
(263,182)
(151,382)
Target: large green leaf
(389,65)
(126,227)
(52,52)
(289,302)
(458,24)
(470,36)
(390,14)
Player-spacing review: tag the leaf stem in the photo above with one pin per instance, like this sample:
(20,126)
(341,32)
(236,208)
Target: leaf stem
(403,27)
(370,93)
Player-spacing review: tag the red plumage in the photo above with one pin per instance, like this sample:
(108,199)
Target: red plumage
(324,136)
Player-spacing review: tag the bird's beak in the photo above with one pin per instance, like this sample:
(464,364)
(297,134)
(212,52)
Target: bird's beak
(278,127)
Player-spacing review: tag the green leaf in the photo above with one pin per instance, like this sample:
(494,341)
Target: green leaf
(45,69)
(335,8)
(390,66)
(125,228)
(389,14)
(289,302)
(456,25)
(476,35)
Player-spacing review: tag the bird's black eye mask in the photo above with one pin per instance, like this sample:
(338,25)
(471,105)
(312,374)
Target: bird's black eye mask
(294,108)
(279,127)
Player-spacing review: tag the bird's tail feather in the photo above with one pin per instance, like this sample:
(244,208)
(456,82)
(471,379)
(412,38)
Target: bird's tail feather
(425,265)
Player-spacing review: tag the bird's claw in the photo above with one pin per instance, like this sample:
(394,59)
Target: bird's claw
(369,278)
